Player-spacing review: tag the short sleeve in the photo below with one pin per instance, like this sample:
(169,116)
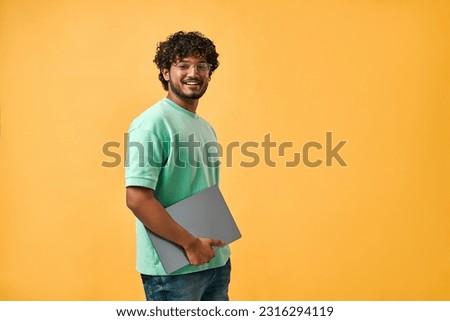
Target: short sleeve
(144,158)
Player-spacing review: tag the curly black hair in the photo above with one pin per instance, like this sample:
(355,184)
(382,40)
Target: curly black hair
(181,45)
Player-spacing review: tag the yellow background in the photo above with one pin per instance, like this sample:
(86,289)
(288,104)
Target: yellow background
(73,74)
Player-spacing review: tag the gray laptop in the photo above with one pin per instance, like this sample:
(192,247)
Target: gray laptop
(204,214)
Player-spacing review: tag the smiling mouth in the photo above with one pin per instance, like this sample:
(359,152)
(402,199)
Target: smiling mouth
(191,82)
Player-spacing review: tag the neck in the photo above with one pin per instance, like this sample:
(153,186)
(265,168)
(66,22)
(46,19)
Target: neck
(186,103)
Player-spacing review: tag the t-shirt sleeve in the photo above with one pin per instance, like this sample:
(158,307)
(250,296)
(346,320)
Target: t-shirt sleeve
(144,158)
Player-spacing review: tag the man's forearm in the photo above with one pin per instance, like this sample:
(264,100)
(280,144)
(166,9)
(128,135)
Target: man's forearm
(154,216)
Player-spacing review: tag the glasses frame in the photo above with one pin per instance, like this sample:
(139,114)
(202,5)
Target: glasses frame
(201,67)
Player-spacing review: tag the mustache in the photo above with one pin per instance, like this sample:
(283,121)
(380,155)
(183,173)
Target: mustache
(192,79)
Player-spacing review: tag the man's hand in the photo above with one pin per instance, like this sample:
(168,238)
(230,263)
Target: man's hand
(200,251)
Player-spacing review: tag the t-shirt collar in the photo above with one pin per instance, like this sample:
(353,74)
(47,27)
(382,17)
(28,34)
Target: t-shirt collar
(179,108)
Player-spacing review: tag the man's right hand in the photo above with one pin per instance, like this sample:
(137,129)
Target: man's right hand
(200,251)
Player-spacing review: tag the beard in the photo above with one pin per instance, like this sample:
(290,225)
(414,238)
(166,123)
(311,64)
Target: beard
(177,90)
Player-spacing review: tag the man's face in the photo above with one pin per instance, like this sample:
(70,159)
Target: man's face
(188,78)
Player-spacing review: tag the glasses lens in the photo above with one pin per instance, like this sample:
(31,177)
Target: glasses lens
(183,66)
(203,67)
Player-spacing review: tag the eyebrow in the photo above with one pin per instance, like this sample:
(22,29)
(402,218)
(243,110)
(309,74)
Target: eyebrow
(202,59)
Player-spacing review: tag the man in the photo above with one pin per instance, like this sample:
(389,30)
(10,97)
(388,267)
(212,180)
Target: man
(161,171)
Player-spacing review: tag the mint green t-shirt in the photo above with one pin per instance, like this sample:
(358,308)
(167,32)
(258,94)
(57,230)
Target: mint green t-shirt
(175,153)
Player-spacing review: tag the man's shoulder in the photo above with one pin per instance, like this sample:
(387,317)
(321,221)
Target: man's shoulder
(150,117)
(152,112)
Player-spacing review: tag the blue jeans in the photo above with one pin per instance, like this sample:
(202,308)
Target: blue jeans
(208,285)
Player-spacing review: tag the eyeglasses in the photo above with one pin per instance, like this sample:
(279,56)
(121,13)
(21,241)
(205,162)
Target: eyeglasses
(202,67)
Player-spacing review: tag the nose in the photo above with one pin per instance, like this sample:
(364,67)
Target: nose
(193,70)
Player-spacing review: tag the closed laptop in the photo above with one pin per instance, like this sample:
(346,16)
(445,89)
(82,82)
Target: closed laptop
(204,214)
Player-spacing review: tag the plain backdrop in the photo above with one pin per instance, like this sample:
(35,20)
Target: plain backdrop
(73,74)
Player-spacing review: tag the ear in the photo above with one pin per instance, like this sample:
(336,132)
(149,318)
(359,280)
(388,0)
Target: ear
(165,73)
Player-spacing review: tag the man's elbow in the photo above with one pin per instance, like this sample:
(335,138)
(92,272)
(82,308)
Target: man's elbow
(136,197)
(131,202)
